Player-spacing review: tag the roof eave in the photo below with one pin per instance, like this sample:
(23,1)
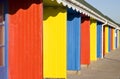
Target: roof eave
(75,5)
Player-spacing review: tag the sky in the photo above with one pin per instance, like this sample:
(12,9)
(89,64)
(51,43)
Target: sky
(111,8)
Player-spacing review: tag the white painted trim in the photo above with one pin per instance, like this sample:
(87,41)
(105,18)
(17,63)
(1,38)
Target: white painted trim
(102,41)
(75,5)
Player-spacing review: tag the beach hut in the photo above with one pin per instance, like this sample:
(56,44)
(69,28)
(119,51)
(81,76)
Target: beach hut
(25,39)
(73,40)
(54,36)
(85,40)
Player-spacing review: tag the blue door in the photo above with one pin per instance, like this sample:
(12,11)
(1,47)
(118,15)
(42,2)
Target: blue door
(73,40)
(109,39)
(3,52)
(99,39)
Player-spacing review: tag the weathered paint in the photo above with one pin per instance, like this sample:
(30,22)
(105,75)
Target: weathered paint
(93,39)
(99,39)
(25,39)
(109,39)
(73,40)
(106,38)
(85,40)
(3,38)
(54,44)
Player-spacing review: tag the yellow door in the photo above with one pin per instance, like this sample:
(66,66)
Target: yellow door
(93,39)
(54,42)
(106,39)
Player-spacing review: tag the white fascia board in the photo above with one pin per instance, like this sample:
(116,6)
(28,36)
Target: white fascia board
(80,9)
(97,15)
(85,10)
(88,9)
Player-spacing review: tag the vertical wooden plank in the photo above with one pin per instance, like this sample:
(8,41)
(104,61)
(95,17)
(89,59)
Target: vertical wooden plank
(93,39)
(25,39)
(99,39)
(73,40)
(85,40)
(54,44)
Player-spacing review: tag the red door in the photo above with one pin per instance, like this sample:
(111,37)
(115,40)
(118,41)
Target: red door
(85,40)
(25,39)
